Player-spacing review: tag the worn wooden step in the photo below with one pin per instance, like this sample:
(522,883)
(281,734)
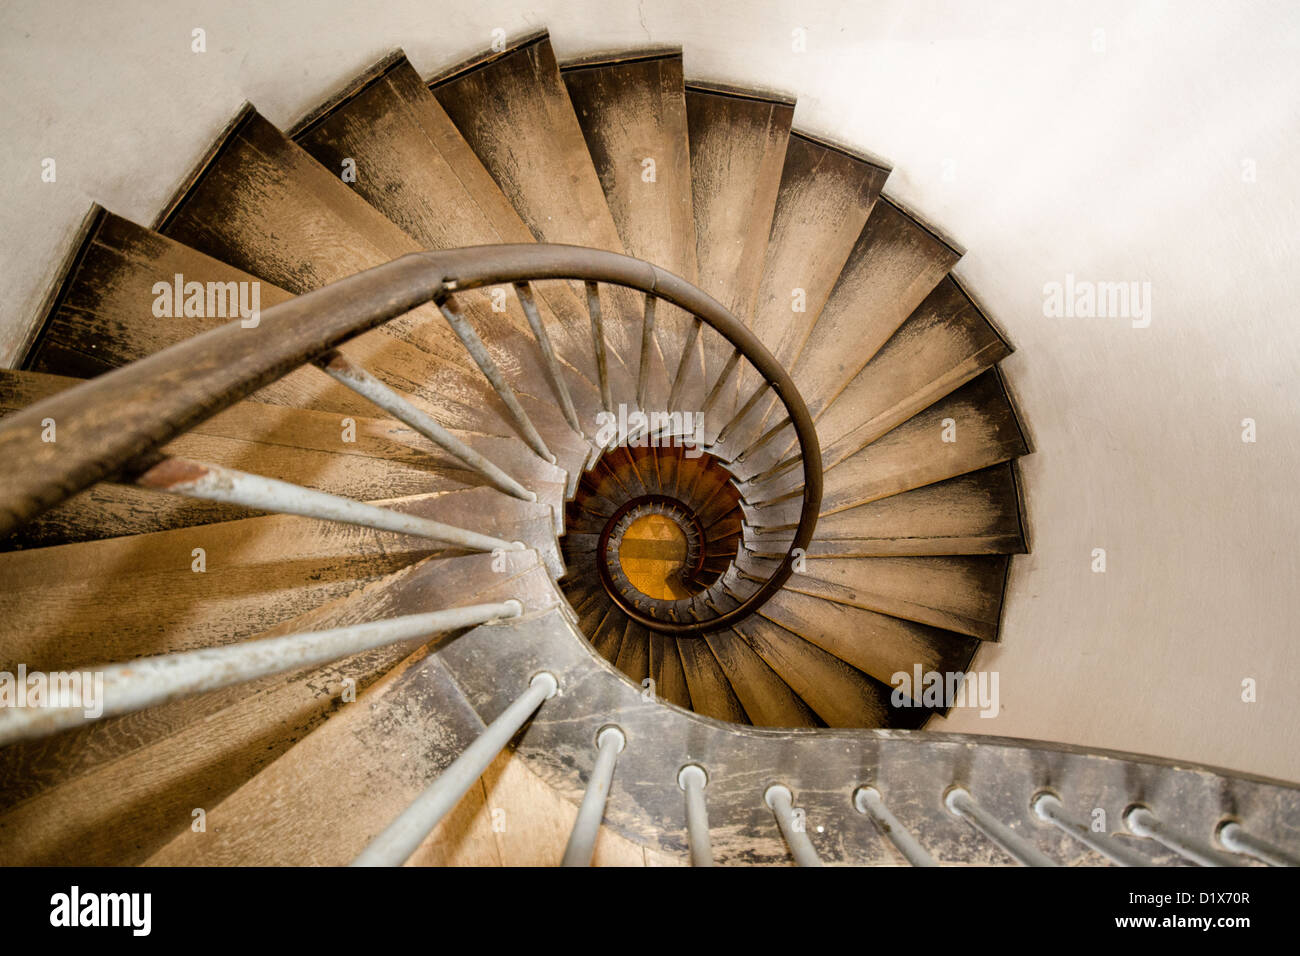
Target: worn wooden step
(768,700)
(895,263)
(825,198)
(973,428)
(666,669)
(711,692)
(632,112)
(103,314)
(738,145)
(538,819)
(607,636)
(260,202)
(625,465)
(513,110)
(402,732)
(838,693)
(669,463)
(977,513)
(956,593)
(356,457)
(413,166)
(375,435)
(634,653)
(96,323)
(120,790)
(874,643)
(593,610)
(117,598)
(945,343)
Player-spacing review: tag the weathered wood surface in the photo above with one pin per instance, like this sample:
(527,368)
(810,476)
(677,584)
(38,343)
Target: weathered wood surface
(414,167)
(102,601)
(141,775)
(738,149)
(514,111)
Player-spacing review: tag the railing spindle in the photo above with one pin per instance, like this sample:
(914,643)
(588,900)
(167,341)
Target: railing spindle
(598,344)
(1047,807)
(479,353)
(403,836)
(776,471)
(961,804)
(647,342)
(1142,822)
(150,681)
(610,742)
(181,476)
(1235,838)
(780,801)
(553,373)
(692,779)
(867,800)
(346,372)
(684,363)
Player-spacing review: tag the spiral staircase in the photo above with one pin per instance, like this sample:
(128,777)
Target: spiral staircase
(621,444)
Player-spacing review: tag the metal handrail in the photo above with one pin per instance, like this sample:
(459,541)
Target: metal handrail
(111,427)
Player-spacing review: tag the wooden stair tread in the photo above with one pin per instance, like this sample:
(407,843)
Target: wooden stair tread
(631,113)
(398,736)
(711,692)
(976,513)
(232,737)
(515,113)
(422,175)
(874,643)
(738,149)
(894,264)
(264,205)
(954,592)
(667,670)
(768,700)
(840,695)
(118,598)
(823,203)
(912,455)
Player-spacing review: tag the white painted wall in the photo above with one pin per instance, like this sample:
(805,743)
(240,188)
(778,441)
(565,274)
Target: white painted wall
(1115,165)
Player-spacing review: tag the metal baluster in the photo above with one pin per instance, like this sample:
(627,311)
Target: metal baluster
(1047,807)
(346,372)
(610,742)
(867,800)
(961,804)
(647,340)
(150,681)
(401,837)
(683,363)
(553,373)
(1235,838)
(1142,822)
(744,410)
(716,391)
(479,353)
(598,344)
(181,476)
(692,779)
(781,802)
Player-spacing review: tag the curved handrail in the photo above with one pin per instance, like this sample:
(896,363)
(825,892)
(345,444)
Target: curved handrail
(111,426)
